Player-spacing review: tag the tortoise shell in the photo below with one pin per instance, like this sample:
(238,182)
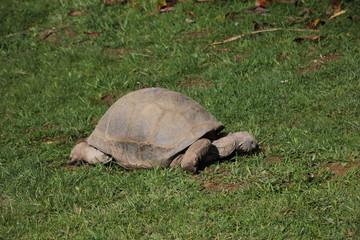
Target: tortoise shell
(151,127)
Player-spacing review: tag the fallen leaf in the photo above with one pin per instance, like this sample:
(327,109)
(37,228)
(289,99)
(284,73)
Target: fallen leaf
(335,4)
(261,3)
(205,0)
(312,38)
(111,3)
(76,13)
(256,26)
(167,9)
(257,9)
(92,34)
(222,49)
(337,14)
(188,20)
(306,10)
(166,4)
(161,5)
(190,13)
(328,11)
(316,22)
(134,4)
(290,1)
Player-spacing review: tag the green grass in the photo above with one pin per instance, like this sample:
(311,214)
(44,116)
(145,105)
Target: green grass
(300,100)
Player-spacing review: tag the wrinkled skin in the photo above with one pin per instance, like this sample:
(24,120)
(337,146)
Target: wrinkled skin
(203,150)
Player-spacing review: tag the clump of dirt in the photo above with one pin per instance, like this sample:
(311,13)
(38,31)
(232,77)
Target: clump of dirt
(108,99)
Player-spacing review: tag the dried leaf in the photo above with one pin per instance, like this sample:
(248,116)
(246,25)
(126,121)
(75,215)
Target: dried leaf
(258,9)
(316,22)
(188,20)
(256,26)
(92,34)
(161,5)
(261,3)
(328,11)
(166,4)
(222,49)
(306,10)
(134,4)
(167,9)
(312,38)
(190,13)
(76,13)
(335,4)
(290,1)
(337,14)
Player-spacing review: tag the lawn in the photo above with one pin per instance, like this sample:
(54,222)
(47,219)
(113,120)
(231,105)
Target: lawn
(294,86)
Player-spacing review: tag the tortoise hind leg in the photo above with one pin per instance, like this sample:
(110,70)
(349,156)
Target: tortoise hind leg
(194,154)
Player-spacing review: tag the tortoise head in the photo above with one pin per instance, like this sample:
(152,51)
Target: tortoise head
(245,142)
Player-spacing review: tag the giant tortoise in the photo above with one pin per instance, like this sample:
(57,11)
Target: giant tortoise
(158,127)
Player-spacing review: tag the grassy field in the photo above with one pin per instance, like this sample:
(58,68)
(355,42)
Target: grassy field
(62,64)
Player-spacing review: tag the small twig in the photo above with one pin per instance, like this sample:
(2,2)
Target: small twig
(14,34)
(49,32)
(261,31)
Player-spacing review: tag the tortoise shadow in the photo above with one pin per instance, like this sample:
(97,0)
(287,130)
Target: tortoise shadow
(231,158)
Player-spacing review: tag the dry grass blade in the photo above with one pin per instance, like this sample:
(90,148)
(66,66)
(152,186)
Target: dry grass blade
(261,31)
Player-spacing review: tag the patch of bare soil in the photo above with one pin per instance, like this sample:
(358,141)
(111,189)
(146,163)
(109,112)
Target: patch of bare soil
(239,57)
(56,139)
(274,159)
(316,64)
(200,33)
(217,182)
(340,169)
(79,140)
(56,36)
(117,52)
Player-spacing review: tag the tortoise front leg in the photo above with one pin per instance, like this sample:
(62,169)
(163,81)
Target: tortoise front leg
(241,142)
(189,161)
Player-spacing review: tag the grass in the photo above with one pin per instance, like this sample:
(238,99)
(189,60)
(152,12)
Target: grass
(300,100)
